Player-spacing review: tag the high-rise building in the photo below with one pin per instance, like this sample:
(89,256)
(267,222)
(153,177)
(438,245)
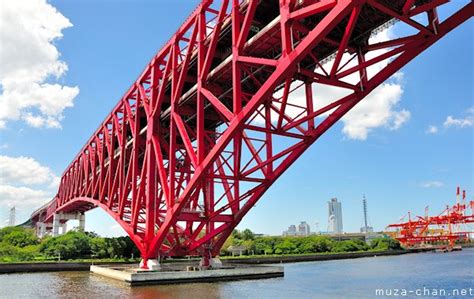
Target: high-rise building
(366,228)
(291,231)
(335,216)
(303,229)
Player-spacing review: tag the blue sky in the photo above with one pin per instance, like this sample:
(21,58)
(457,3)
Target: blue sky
(398,170)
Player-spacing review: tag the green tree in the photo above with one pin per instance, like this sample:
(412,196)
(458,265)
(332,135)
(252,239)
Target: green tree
(247,234)
(130,247)
(73,244)
(263,246)
(285,247)
(98,247)
(8,253)
(349,246)
(236,234)
(385,244)
(21,238)
(7,230)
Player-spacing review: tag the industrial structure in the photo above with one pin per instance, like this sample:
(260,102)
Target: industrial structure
(12,217)
(226,106)
(451,226)
(335,217)
(366,228)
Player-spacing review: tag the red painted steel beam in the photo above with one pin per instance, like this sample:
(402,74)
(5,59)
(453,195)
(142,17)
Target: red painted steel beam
(193,144)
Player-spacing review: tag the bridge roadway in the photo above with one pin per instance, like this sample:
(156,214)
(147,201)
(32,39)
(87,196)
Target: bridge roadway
(167,162)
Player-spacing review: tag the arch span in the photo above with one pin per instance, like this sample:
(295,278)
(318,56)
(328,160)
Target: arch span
(229,103)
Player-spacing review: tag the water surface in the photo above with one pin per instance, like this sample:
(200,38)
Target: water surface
(356,278)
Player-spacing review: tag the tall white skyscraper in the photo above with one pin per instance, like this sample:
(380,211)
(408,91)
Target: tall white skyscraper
(335,216)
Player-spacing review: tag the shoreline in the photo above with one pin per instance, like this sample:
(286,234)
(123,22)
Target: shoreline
(321,257)
(7,268)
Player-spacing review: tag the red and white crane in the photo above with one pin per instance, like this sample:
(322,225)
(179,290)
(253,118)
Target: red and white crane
(445,229)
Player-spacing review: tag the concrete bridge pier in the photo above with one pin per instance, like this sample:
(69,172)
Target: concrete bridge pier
(60,220)
(43,229)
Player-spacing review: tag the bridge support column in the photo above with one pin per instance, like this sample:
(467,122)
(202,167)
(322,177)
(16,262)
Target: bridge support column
(64,228)
(82,222)
(60,219)
(56,223)
(41,229)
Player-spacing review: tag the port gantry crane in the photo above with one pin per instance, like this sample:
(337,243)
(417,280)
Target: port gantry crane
(446,228)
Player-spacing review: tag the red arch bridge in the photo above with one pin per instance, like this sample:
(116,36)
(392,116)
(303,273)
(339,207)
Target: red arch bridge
(226,106)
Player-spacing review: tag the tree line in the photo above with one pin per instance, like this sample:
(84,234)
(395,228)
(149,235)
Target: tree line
(19,244)
(258,245)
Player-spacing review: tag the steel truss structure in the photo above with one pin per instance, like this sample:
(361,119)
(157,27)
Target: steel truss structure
(227,105)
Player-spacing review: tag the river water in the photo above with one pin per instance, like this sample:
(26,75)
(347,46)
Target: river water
(426,273)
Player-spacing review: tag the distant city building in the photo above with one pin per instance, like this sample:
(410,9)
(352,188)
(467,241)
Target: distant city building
(303,229)
(366,228)
(334,216)
(291,231)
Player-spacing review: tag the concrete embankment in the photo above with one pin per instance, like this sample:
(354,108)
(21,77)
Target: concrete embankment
(85,266)
(49,267)
(319,257)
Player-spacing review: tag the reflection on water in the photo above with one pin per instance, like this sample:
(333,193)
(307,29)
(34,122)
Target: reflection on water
(358,278)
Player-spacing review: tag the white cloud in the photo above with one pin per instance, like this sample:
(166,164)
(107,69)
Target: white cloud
(432,130)
(399,118)
(31,63)
(24,170)
(377,110)
(22,197)
(467,121)
(25,184)
(33,120)
(432,184)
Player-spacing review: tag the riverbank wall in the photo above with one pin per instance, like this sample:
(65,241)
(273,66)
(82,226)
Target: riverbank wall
(85,266)
(319,257)
(49,267)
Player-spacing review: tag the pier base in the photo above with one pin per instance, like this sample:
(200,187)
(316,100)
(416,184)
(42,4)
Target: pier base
(213,263)
(186,274)
(151,264)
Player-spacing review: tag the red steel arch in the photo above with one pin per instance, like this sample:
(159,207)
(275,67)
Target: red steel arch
(228,104)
